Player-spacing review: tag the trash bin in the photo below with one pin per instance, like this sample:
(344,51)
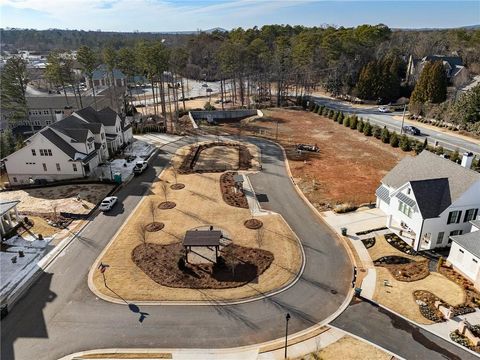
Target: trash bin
(358,291)
(344,231)
(117,177)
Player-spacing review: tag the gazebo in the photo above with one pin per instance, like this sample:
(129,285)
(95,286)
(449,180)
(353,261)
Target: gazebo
(201,246)
(6,208)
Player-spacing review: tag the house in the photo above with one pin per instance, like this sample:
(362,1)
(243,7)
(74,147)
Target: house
(101,77)
(428,199)
(465,253)
(457,74)
(70,148)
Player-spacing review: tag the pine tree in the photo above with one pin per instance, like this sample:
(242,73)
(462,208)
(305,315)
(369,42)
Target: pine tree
(385,136)
(335,116)
(360,125)
(341,117)
(394,139)
(367,129)
(377,132)
(432,84)
(353,122)
(405,143)
(346,121)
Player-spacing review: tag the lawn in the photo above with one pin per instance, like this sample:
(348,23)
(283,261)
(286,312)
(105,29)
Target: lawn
(199,204)
(349,166)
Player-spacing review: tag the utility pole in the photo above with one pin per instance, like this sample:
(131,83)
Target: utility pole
(276,132)
(403,118)
(287,317)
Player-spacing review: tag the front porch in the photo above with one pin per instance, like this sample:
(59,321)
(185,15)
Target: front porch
(402,229)
(7,209)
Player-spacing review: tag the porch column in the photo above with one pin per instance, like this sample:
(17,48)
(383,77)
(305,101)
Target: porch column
(1,225)
(16,213)
(389,221)
(9,219)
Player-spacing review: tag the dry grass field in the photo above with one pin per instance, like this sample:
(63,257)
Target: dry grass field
(200,203)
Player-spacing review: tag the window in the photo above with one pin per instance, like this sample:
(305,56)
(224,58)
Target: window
(58,166)
(41,152)
(475,261)
(440,237)
(454,217)
(470,214)
(34,153)
(48,122)
(74,167)
(44,167)
(49,152)
(404,208)
(461,251)
(409,191)
(15,179)
(103,136)
(453,233)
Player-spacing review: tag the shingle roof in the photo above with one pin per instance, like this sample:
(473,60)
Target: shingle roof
(74,127)
(383,193)
(106,116)
(101,72)
(433,196)
(475,223)
(469,241)
(59,142)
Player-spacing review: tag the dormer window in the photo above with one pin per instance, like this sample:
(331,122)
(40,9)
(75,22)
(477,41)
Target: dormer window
(409,191)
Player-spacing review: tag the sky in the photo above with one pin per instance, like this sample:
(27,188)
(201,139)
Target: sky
(191,15)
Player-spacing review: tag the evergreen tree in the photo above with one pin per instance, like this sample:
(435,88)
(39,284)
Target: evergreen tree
(331,114)
(341,117)
(360,124)
(377,132)
(315,109)
(455,156)
(432,84)
(367,129)
(385,136)
(353,122)
(425,144)
(7,142)
(346,121)
(394,139)
(439,150)
(335,116)
(405,143)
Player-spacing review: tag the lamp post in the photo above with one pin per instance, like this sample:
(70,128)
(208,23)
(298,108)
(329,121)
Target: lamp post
(287,317)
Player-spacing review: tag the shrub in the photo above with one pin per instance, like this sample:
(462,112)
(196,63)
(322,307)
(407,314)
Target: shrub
(320,109)
(336,116)
(394,139)
(367,129)
(455,156)
(353,122)
(344,208)
(385,135)
(418,147)
(341,117)
(311,105)
(346,121)
(315,108)
(439,150)
(325,111)
(377,132)
(405,143)
(208,106)
(360,124)
(304,103)
(331,114)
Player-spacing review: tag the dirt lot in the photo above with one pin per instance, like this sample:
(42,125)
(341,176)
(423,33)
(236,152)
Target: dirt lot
(348,168)
(200,203)
(64,198)
(223,157)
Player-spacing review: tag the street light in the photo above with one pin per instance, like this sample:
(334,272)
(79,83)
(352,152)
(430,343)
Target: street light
(287,317)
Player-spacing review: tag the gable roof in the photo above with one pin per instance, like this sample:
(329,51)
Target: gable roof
(76,128)
(469,241)
(106,116)
(59,142)
(436,182)
(451,60)
(101,72)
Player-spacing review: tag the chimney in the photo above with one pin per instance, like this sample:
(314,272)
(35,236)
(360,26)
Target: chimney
(67,111)
(58,115)
(467,160)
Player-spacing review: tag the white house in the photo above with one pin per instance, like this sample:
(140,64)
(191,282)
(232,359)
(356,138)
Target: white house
(69,148)
(427,199)
(465,253)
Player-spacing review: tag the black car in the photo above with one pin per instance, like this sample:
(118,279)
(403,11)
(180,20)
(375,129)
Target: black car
(412,130)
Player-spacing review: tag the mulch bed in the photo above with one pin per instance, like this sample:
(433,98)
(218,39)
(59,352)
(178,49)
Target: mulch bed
(189,161)
(368,243)
(154,226)
(163,264)
(227,185)
(177,186)
(463,340)
(253,224)
(399,244)
(473,295)
(403,269)
(167,205)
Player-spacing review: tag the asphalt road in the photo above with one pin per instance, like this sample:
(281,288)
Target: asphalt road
(60,315)
(446,140)
(396,334)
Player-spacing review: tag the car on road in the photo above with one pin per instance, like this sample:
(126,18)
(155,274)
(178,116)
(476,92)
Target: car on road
(108,203)
(384,109)
(412,130)
(140,167)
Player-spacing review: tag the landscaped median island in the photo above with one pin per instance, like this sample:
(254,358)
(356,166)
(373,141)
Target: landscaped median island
(159,265)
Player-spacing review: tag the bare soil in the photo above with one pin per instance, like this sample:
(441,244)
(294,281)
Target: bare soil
(237,266)
(349,166)
(232,198)
(407,271)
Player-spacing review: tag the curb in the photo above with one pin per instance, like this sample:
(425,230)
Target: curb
(94,266)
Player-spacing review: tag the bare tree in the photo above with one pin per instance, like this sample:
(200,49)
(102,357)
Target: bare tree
(152,207)
(260,236)
(164,187)
(142,233)
(175,174)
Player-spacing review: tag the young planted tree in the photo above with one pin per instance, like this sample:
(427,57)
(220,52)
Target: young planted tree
(260,236)
(142,233)
(360,125)
(353,122)
(385,135)
(152,206)
(377,132)
(405,143)
(394,141)
(165,189)
(367,129)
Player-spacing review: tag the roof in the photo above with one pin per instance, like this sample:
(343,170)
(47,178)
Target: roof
(106,116)
(475,223)
(451,60)
(202,238)
(452,180)
(59,142)
(383,193)
(433,196)
(101,72)
(469,241)
(56,102)
(7,205)
(74,127)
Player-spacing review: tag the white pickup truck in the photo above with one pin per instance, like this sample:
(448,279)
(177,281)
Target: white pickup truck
(140,167)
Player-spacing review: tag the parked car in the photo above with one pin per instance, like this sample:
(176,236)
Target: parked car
(384,109)
(108,203)
(412,130)
(140,167)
